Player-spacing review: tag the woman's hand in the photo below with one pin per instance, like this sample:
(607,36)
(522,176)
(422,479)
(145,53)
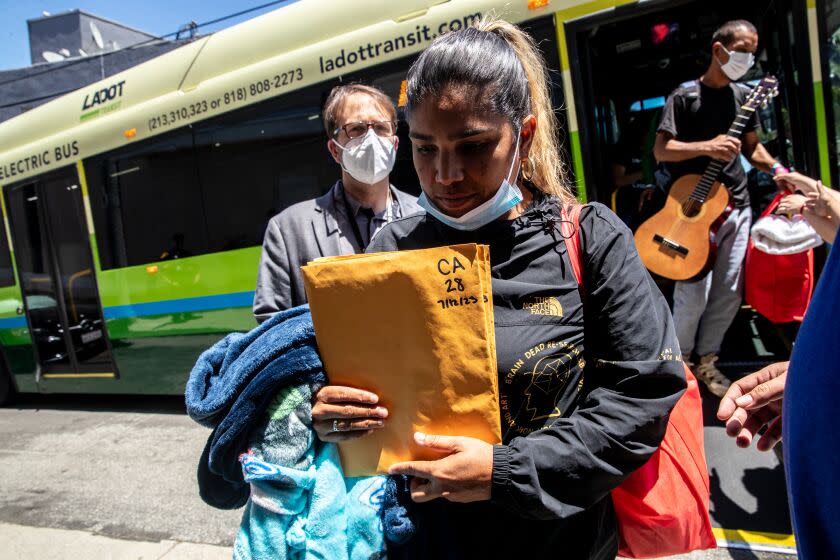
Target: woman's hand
(755,402)
(818,203)
(344,413)
(794,181)
(791,204)
(463,475)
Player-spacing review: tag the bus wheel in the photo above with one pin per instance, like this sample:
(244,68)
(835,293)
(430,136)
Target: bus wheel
(7,389)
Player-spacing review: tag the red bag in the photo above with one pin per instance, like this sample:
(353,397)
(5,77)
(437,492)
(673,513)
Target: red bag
(663,507)
(778,286)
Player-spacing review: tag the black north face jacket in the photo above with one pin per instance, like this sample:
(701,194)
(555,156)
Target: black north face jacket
(585,388)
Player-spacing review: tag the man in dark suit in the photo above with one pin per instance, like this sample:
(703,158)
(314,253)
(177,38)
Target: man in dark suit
(360,122)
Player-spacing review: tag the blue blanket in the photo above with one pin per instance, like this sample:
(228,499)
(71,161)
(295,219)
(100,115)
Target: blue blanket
(225,369)
(231,386)
(313,512)
(254,390)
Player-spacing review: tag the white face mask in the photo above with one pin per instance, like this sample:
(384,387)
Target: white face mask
(369,158)
(738,65)
(500,204)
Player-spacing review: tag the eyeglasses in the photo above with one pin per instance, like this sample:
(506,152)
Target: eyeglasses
(359,129)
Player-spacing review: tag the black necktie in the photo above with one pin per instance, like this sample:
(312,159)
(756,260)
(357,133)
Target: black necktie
(367,213)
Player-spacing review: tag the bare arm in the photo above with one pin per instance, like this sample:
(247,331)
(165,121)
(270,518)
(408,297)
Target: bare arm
(668,148)
(758,155)
(822,210)
(825,227)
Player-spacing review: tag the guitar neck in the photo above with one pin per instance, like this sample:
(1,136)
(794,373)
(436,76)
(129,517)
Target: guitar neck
(736,130)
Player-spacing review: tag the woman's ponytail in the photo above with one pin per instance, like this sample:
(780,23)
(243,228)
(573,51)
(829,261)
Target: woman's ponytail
(549,172)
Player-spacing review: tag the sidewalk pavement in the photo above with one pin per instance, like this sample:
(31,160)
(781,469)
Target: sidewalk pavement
(44,543)
(61,544)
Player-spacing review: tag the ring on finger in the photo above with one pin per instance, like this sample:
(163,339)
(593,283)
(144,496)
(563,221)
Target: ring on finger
(335,426)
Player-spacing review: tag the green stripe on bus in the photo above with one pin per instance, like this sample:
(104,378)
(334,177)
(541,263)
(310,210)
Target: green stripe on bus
(822,133)
(9,302)
(215,321)
(577,162)
(89,115)
(205,275)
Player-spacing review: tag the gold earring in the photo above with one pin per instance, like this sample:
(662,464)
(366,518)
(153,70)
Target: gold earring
(527,168)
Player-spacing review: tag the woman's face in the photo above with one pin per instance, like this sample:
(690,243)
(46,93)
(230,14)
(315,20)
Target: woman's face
(461,151)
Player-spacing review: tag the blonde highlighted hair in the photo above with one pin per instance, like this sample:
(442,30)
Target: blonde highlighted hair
(502,60)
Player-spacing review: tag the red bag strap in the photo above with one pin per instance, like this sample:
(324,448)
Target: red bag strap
(773,204)
(569,226)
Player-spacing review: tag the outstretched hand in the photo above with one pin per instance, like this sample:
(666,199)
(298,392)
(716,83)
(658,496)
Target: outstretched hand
(463,475)
(819,202)
(791,204)
(754,402)
(794,181)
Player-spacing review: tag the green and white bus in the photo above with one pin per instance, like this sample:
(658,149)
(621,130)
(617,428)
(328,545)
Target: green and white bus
(134,208)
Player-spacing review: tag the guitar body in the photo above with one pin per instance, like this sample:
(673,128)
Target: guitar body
(676,244)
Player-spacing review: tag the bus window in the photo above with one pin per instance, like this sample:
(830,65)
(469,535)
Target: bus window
(213,186)
(146,202)
(389,78)
(258,160)
(626,63)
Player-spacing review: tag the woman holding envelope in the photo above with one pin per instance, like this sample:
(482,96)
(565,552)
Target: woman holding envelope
(587,378)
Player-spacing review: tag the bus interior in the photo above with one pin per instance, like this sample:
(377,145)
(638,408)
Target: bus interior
(624,65)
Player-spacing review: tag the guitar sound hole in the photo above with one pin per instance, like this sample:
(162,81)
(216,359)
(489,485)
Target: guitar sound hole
(691,208)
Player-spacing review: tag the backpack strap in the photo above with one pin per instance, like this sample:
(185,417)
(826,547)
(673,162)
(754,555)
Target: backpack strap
(569,227)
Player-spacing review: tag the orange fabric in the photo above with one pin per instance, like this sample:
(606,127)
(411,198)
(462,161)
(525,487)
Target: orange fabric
(416,328)
(778,286)
(663,507)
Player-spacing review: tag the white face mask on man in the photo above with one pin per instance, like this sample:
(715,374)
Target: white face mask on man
(738,65)
(369,158)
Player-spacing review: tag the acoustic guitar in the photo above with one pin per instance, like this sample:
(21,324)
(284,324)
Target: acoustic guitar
(676,242)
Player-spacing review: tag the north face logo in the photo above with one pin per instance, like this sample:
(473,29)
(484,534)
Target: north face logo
(544,306)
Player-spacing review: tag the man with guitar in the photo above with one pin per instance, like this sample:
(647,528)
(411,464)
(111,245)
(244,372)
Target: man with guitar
(693,132)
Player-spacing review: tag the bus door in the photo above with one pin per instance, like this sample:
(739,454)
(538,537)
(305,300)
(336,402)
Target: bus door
(56,274)
(624,64)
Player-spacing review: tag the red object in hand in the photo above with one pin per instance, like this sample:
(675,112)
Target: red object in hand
(778,286)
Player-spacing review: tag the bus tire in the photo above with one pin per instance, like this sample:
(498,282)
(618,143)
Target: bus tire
(7,388)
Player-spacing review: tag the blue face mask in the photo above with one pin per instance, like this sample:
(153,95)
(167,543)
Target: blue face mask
(500,204)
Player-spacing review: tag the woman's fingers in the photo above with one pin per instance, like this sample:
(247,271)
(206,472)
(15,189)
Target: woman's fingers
(323,411)
(756,420)
(423,491)
(764,393)
(735,422)
(335,437)
(771,437)
(340,394)
(343,413)
(343,430)
(797,181)
(340,426)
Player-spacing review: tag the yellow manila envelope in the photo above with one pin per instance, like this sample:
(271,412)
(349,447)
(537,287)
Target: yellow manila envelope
(416,328)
